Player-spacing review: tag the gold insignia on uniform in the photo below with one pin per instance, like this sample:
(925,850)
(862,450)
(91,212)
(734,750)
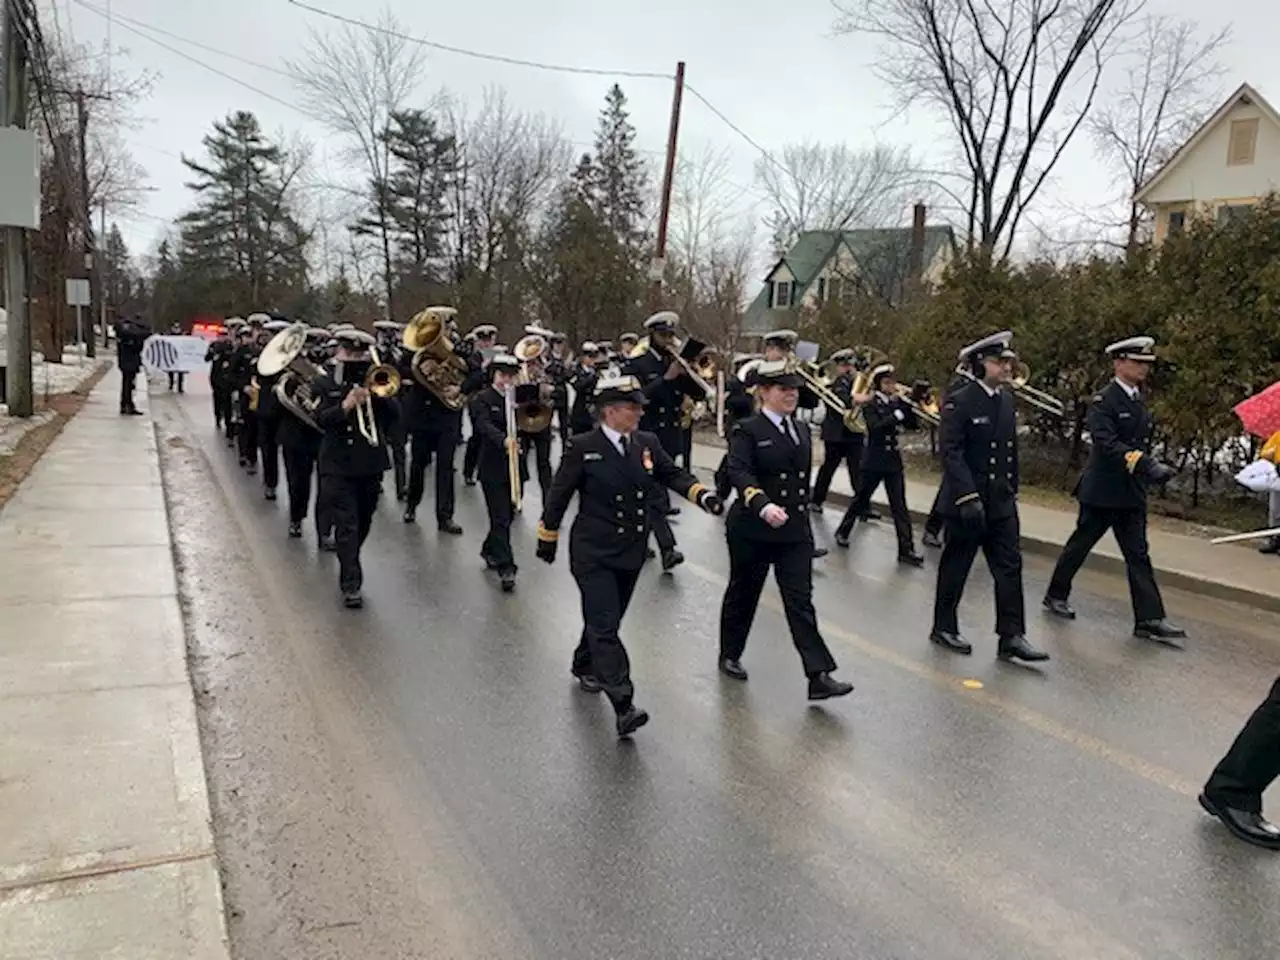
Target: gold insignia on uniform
(1131,460)
(751,493)
(966,498)
(547,536)
(695,492)
(647,459)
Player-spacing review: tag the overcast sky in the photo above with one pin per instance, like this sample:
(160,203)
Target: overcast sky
(774,68)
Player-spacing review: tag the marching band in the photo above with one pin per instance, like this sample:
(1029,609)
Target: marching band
(345,407)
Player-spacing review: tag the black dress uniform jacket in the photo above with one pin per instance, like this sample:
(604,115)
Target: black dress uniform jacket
(612,526)
(833,428)
(766,466)
(584,387)
(979,442)
(881,454)
(488,412)
(344,451)
(663,412)
(1120,430)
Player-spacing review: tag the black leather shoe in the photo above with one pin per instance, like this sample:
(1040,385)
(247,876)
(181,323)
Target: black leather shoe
(631,721)
(649,553)
(410,515)
(469,481)
(931,540)
(911,559)
(588,683)
(823,686)
(448,526)
(328,544)
(295,531)
(820,552)
(508,582)
(352,600)
(1059,608)
(952,641)
(269,493)
(733,669)
(673,511)
(842,540)
(1250,827)
(1017,648)
(1158,630)
(671,559)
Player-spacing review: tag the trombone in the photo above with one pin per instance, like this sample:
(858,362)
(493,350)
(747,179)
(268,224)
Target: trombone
(513,447)
(1044,402)
(383,381)
(813,379)
(926,410)
(702,370)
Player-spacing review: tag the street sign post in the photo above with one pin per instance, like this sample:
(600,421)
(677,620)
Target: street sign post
(78,296)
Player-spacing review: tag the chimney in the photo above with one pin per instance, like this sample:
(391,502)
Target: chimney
(915,256)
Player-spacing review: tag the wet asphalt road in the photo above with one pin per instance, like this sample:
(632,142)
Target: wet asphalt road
(1045,814)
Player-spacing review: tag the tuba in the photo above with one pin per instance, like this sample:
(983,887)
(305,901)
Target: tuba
(283,355)
(435,364)
(535,416)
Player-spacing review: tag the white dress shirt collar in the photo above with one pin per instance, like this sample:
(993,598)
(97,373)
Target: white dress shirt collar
(1131,391)
(614,437)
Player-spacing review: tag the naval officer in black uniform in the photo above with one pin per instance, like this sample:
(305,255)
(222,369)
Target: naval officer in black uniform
(1113,492)
(1234,791)
(485,338)
(488,412)
(351,467)
(979,500)
(839,443)
(613,469)
(768,526)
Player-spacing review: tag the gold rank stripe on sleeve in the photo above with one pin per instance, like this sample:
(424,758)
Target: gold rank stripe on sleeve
(695,492)
(751,493)
(1131,460)
(547,536)
(966,498)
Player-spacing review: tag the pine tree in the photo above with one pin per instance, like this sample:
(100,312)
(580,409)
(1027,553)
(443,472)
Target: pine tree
(242,247)
(619,178)
(423,166)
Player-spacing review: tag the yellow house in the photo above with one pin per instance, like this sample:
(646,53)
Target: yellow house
(1227,166)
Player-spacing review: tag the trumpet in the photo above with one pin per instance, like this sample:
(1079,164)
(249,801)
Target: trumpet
(1044,402)
(383,381)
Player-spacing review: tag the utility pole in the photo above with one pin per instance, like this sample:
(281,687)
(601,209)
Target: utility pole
(668,174)
(18,28)
(91,247)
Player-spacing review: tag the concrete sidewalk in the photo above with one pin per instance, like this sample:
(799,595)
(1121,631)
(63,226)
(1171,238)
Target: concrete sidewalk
(1227,572)
(106,848)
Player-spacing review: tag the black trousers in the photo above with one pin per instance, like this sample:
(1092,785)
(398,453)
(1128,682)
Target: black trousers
(563,424)
(349,503)
(605,592)
(471,456)
(299,467)
(127,378)
(895,486)
(177,378)
(792,563)
(269,444)
(686,449)
(1253,762)
(1000,544)
(933,525)
(397,440)
(438,443)
(1130,529)
(247,434)
(496,548)
(540,443)
(222,406)
(723,486)
(848,452)
(658,505)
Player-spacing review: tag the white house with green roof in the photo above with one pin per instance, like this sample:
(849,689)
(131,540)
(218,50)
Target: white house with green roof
(825,265)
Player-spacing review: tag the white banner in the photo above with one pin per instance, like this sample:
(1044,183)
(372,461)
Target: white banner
(169,354)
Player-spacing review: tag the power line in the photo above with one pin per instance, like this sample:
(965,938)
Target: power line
(200,63)
(475,54)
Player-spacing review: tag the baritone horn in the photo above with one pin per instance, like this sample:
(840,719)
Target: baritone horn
(283,355)
(865,359)
(536,415)
(1045,402)
(435,364)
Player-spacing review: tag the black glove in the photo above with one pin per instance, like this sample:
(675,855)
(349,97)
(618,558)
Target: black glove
(546,550)
(972,515)
(709,501)
(1158,474)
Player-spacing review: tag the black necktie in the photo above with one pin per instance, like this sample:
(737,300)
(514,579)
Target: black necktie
(789,428)
(625,442)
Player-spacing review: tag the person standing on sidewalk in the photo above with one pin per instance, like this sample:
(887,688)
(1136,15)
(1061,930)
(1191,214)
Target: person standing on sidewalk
(351,467)
(979,500)
(1233,793)
(177,378)
(130,336)
(1113,492)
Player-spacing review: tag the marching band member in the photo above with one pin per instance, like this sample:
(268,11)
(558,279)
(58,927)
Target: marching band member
(268,417)
(1234,791)
(486,338)
(885,415)
(434,432)
(539,441)
(739,404)
(1113,492)
(488,410)
(583,380)
(388,334)
(300,448)
(219,358)
(626,343)
(612,469)
(351,467)
(979,493)
(768,526)
(558,372)
(244,364)
(839,443)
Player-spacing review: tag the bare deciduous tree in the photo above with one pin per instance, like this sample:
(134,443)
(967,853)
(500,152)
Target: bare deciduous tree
(815,186)
(352,80)
(1170,82)
(1015,82)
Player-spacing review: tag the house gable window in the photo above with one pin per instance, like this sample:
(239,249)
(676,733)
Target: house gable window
(781,294)
(1233,214)
(1177,222)
(1243,143)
